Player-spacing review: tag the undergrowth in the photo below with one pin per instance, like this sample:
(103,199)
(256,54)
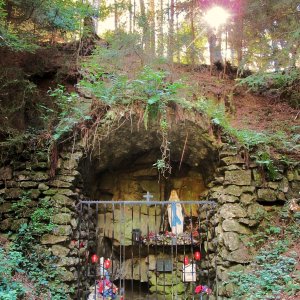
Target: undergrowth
(271,272)
(120,86)
(27,270)
(281,85)
(259,143)
(149,90)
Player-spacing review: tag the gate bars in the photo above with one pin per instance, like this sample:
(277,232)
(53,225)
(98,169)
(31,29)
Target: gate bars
(128,250)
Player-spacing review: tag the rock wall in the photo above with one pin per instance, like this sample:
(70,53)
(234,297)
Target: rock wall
(242,195)
(29,175)
(244,198)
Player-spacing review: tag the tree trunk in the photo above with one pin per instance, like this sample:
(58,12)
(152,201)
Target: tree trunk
(160,48)
(152,26)
(193,35)
(134,14)
(130,16)
(177,30)
(96,5)
(214,48)
(145,27)
(116,15)
(171,31)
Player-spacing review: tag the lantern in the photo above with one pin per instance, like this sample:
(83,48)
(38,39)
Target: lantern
(136,235)
(197,255)
(94,258)
(107,263)
(186,260)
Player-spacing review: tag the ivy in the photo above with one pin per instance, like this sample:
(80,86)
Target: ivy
(26,268)
(271,272)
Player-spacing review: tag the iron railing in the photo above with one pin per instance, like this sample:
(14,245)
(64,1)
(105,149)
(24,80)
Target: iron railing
(133,248)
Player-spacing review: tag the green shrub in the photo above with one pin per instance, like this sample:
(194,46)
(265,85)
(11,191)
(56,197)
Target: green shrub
(25,266)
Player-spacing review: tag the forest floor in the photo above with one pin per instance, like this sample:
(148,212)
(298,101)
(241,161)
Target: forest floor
(246,110)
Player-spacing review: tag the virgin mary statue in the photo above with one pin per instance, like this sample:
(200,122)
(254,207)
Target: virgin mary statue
(175,214)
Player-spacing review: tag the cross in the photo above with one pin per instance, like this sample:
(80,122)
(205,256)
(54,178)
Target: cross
(148,197)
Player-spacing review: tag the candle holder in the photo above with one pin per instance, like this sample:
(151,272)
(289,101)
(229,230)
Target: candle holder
(136,236)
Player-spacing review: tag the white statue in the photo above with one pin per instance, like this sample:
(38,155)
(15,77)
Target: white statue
(175,214)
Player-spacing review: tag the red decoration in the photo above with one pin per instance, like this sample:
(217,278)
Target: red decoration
(94,258)
(107,263)
(186,260)
(81,245)
(198,289)
(197,255)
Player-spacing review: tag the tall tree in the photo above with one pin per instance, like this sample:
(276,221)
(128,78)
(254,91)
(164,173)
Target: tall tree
(152,31)
(160,21)
(171,43)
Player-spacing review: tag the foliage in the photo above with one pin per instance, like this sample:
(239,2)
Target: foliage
(24,23)
(250,139)
(271,275)
(69,112)
(264,160)
(271,272)
(216,112)
(149,88)
(275,35)
(9,37)
(123,54)
(281,85)
(26,268)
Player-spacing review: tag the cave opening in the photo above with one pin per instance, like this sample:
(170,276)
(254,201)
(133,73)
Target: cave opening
(160,261)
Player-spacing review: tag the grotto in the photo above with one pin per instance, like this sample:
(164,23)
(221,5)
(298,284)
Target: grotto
(111,210)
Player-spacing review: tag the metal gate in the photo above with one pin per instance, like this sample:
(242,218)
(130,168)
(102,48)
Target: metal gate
(140,249)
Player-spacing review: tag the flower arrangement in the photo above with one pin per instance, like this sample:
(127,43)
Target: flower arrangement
(167,237)
(203,289)
(107,289)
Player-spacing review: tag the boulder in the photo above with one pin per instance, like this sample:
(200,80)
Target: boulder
(43,187)
(39,176)
(59,183)
(249,222)
(50,239)
(247,198)
(284,185)
(228,211)
(228,199)
(34,194)
(62,218)
(62,230)
(13,193)
(60,251)
(5,207)
(6,173)
(28,184)
(5,224)
(256,212)
(16,224)
(232,225)
(238,177)
(66,178)
(62,200)
(240,256)
(231,240)
(66,276)
(267,194)
(232,160)
(258,180)
(68,261)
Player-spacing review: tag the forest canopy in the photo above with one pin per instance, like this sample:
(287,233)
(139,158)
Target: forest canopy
(262,35)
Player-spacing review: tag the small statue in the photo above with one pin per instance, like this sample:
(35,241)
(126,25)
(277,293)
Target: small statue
(175,214)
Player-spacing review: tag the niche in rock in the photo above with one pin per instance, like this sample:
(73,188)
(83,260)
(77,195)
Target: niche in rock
(124,171)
